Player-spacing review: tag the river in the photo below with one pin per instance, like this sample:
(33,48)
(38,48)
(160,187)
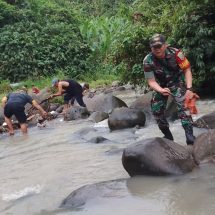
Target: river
(39,170)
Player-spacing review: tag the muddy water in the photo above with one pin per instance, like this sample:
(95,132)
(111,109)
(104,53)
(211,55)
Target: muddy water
(39,170)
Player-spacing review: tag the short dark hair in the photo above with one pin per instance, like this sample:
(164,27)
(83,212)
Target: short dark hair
(86,86)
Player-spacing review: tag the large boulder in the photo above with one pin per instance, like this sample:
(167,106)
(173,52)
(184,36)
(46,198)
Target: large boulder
(144,103)
(126,118)
(204,146)
(82,195)
(76,112)
(206,121)
(157,156)
(103,103)
(98,116)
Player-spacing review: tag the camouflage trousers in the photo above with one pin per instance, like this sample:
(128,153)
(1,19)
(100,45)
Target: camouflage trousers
(158,106)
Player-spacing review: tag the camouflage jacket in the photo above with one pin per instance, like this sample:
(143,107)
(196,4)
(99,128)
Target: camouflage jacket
(168,72)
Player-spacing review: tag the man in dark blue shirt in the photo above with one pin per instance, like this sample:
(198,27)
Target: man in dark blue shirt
(14,104)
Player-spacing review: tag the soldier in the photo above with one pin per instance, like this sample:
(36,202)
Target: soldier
(165,69)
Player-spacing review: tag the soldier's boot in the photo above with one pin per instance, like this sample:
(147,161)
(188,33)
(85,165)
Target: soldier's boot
(167,133)
(190,138)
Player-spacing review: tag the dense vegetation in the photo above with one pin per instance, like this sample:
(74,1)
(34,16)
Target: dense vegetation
(96,38)
(39,38)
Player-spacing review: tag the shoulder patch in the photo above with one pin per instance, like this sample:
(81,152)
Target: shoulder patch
(180,55)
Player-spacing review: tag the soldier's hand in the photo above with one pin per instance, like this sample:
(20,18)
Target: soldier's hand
(165,91)
(189,94)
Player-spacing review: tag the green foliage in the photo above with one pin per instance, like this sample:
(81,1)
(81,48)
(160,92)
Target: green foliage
(100,71)
(7,13)
(103,34)
(187,26)
(155,17)
(96,38)
(45,40)
(5,87)
(97,8)
(196,33)
(131,52)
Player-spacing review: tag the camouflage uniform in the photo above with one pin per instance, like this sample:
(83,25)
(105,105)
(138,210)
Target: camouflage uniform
(168,72)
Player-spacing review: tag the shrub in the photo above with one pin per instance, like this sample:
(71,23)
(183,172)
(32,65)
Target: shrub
(43,41)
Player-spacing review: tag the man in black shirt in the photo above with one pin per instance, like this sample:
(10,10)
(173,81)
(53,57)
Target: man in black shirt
(72,91)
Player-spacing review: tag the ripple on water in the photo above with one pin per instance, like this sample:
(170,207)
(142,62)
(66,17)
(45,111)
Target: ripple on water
(28,191)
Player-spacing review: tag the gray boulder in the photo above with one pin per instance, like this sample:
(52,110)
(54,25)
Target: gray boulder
(206,121)
(76,112)
(144,103)
(98,139)
(126,118)
(204,146)
(60,109)
(81,196)
(103,103)
(157,156)
(98,116)
(54,106)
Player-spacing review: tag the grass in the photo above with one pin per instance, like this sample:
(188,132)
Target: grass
(95,80)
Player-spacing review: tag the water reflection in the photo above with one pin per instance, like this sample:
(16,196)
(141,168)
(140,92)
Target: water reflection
(189,194)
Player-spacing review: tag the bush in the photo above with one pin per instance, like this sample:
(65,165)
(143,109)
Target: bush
(7,13)
(196,33)
(46,39)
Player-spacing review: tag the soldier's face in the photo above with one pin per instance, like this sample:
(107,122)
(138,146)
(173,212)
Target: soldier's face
(159,51)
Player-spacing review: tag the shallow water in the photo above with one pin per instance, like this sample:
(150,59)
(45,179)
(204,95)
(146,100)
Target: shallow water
(39,170)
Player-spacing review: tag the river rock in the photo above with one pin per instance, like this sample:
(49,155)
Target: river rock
(157,156)
(103,103)
(206,121)
(76,112)
(144,103)
(60,109)
(204,146)
(81,196)
(98,139)
(115,84)
(98,116)
(126,118)
(54,106)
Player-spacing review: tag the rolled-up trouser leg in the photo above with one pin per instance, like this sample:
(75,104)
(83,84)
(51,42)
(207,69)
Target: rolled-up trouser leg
(158,106)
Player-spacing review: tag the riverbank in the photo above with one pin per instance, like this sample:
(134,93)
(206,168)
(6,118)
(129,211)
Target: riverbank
(41,169)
